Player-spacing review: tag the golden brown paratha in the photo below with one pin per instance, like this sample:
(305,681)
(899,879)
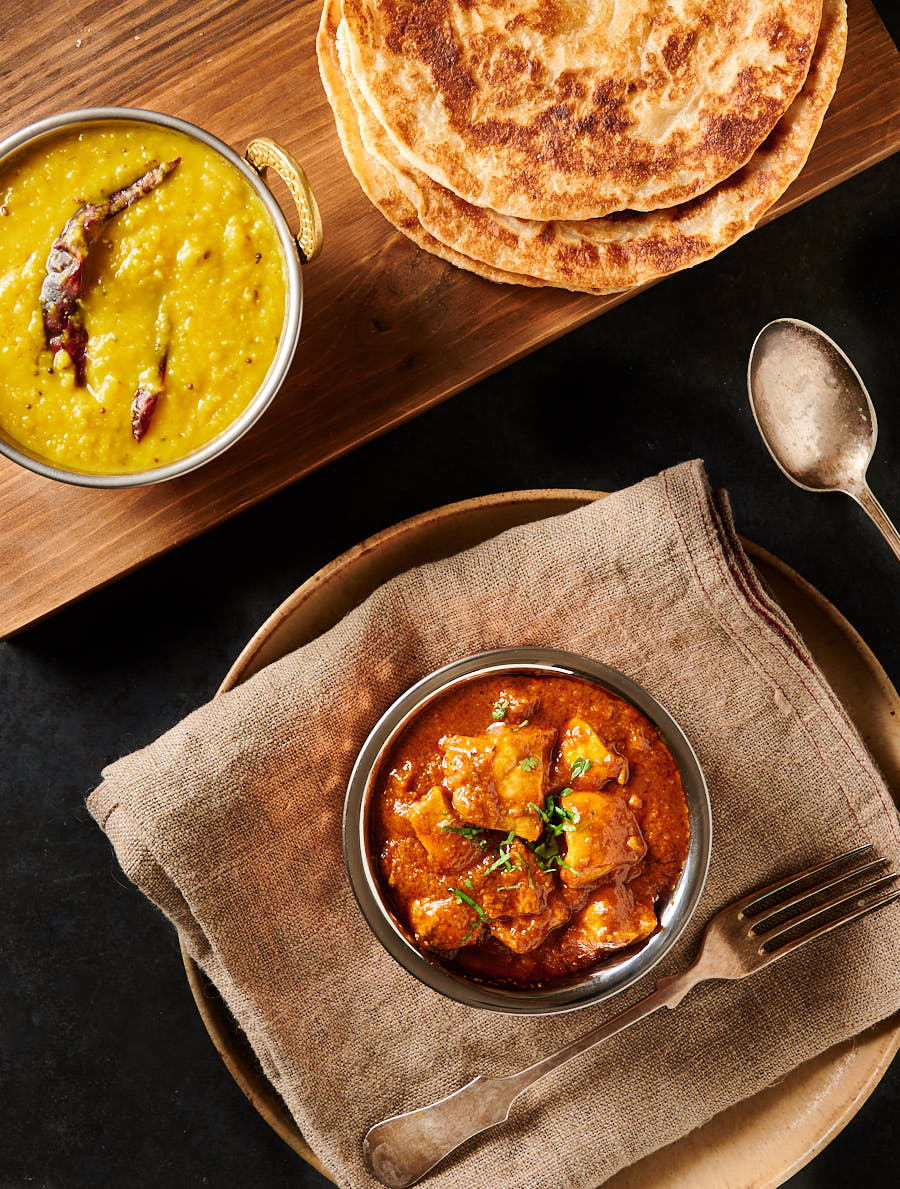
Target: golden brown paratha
(376,181)
(572,109)
(621,250)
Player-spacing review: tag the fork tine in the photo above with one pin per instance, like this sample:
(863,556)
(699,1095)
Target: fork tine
(820,909)
(825,885)
(785,885)
(872,906)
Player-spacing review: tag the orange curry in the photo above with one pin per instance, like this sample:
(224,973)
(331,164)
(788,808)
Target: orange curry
(528,826)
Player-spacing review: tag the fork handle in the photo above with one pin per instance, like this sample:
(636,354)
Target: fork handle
(669,993)
(401,1150)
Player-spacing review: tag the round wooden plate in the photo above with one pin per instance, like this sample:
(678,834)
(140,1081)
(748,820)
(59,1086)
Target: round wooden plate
(758,1143)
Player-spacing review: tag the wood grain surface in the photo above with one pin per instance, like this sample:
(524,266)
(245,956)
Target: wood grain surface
(388,330)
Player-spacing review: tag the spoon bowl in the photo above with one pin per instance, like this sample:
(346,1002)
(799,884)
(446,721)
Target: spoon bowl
(814,414)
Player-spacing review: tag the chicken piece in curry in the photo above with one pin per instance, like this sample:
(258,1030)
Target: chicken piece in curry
(498,780)
(528,826)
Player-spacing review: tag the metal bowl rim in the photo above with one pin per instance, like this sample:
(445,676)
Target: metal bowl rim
(290,331)
(614,976)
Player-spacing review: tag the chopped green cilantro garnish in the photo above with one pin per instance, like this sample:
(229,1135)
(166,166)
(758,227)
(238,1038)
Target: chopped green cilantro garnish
(473,833)
(498,713)
(555,817)
(571,817)
(465,898)
(558,819)
(547,855)
(580,767)
(528,764)
(504,857)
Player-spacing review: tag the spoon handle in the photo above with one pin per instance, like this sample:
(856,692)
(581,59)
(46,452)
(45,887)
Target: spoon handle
(883,522)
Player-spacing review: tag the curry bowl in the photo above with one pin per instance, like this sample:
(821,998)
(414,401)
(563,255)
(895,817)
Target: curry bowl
(168,311)
(527,831)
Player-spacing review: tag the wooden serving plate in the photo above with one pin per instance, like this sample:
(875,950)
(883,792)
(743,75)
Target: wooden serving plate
(758,1143)
(388,329)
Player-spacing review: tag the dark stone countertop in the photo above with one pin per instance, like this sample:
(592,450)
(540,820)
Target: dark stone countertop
(107,1077)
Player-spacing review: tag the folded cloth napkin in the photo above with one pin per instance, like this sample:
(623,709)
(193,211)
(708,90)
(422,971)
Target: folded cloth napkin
(230,823)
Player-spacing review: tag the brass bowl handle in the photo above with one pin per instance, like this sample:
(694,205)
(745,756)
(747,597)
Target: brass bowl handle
(262,153)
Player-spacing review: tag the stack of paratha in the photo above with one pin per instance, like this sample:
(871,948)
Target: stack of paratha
(588,144)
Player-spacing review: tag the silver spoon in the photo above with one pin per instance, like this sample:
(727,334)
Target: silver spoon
(815,415)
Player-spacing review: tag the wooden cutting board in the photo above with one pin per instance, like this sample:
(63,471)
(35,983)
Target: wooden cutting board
(388,330)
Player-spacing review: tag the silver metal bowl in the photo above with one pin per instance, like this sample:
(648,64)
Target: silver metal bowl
(261,153)
(588,986)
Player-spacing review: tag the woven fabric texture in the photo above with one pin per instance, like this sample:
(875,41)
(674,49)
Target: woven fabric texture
(230,823)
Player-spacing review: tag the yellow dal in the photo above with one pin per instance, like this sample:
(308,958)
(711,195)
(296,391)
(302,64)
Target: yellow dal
(176,270)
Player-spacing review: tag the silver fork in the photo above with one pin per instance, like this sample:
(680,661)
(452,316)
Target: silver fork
(401,1150)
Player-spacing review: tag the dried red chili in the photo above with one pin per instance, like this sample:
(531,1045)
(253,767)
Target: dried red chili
(64,283)
(145,401)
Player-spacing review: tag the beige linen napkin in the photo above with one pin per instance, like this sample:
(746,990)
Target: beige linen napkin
(230,823)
